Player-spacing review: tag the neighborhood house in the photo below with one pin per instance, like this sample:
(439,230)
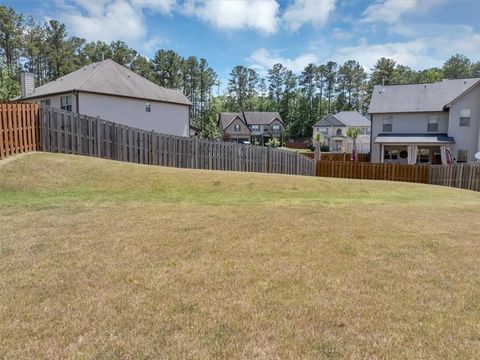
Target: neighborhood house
(113,92)
(257,127)
(426,123)
(333,129)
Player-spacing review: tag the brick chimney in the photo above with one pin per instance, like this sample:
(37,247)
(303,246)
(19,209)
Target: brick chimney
(27,81)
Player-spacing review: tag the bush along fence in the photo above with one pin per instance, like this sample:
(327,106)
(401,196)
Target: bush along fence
(72,133)
(19,128)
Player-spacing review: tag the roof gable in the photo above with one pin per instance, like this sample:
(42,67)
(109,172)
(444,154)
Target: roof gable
(419,97)
(344,118)
(108,77)
(226,118)
(261,117)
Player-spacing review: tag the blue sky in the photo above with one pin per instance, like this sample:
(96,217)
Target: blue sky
(417,33)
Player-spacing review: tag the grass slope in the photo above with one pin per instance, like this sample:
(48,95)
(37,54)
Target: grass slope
(101,259)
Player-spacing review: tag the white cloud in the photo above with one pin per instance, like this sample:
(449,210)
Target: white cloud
(308,11)
(236,14)
(391,11)
(110,20)
(264,59)
(427,50)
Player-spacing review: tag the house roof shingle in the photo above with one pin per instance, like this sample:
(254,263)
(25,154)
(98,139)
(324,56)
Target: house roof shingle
(261,117)
(418,97)
(108,77)
(344,118)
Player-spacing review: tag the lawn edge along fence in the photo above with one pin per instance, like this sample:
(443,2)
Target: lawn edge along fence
(28,127)
(72,133)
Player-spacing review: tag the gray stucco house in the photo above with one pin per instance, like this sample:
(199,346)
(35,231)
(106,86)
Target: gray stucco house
(333,129)
(257,127)
(426,123)
(113,92)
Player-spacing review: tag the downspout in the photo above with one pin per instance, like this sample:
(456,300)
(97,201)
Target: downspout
(77,102)
(371,136)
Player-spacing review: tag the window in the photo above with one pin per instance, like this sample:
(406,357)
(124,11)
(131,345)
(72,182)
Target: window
(339,132)
(432,125)
(66,102)
(387,124)
(423,156)
(148,107)
(366,131)
(45,102)
(462,156)
(265,128)
(390,154)
(255,127)
(465,117)
(323,131)
(276,128)
(236,127)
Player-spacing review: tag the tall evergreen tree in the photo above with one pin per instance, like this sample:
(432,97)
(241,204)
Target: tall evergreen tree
(457,66)
(167,65)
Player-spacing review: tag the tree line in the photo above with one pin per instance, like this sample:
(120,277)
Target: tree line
(48,51)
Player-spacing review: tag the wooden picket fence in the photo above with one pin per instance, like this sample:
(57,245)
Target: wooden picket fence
(369,171)
(71,133)
(462,175)
(19,128)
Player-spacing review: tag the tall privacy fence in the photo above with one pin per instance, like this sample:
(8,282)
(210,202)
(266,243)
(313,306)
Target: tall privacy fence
(30,127)
(462,175)
(71,133)
(19,128)
(369,171)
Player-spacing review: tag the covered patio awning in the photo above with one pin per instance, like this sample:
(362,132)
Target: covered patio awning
(424,139)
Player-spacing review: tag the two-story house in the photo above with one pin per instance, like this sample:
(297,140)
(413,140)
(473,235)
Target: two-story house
(113,92)
(257,127)
(426,123)
(333,129)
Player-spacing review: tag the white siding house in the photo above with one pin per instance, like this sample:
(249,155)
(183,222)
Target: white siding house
(426,123)
(113,92)
(333,129)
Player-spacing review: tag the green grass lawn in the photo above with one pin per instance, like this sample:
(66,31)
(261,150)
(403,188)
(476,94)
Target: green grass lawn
(102,259)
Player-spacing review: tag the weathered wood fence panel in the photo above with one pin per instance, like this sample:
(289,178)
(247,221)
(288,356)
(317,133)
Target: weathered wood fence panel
(19,130)
(462,175)
(363,170)
(71,133)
